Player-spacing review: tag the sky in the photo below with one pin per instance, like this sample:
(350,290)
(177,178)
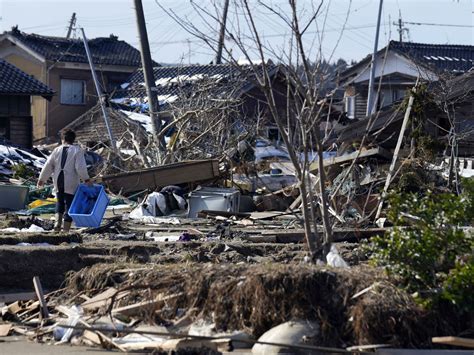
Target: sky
(170,43)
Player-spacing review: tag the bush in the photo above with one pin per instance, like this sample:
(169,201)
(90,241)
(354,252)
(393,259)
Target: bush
(22,171)
(426,247)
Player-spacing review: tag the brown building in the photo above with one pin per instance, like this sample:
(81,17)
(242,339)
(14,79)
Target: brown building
(61,63)
(16,90)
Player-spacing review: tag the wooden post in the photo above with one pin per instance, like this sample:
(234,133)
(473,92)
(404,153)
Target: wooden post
(395,154)
(44,314)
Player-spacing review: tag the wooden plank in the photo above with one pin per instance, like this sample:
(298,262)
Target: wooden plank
(187,343)
(137,308)
(205,213)
(170,174)
(40,295)
(340,234)
(5,329)
(99,300)
(365,153)
(455,341)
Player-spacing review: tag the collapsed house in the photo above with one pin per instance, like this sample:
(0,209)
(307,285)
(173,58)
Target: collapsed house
(203,87)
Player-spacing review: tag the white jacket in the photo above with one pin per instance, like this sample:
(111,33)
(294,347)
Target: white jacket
(75,168)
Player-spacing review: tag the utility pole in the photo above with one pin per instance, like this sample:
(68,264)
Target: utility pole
(370,98)
(100,94)
(72,23)
(400,26)
(220,45)
(147,68)
(401,29)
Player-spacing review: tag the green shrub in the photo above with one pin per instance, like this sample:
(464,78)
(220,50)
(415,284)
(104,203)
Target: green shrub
(427,242)
(22,171)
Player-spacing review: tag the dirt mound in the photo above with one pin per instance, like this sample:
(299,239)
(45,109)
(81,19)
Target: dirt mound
(255,298)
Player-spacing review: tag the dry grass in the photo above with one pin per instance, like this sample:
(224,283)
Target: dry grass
(255,298)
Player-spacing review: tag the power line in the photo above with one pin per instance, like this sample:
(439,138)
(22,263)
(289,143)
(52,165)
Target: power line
(331,29)
(437,24)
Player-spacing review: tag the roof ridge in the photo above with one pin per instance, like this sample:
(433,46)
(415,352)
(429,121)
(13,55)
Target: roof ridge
(63,38)
(430,44)
(193,65)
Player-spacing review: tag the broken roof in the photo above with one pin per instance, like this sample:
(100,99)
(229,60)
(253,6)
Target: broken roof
(105,50)
(454,58)
(14,81)
(450,57)
(172,81)
(119,122)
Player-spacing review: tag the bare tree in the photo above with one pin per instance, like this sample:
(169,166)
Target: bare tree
(299,123)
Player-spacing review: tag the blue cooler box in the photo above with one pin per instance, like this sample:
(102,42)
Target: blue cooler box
(88,206)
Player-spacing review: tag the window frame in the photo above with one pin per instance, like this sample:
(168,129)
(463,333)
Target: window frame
(62,80)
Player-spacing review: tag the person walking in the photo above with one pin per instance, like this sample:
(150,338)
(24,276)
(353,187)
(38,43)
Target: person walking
(67,166)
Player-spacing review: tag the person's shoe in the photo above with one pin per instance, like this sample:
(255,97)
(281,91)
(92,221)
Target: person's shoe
(67,226)
(59,222)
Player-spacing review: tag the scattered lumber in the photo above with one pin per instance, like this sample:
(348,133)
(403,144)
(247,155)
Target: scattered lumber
(143,306)
(205,213)
(103,299)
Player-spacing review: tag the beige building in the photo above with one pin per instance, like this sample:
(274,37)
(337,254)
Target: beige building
(61,63)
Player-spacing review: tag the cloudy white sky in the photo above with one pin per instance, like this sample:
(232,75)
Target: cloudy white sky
(171,44)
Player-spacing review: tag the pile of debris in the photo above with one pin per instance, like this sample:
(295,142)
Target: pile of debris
(221,307)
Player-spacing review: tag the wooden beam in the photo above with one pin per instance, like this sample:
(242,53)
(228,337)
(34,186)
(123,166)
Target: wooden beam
(170,174)
(365,153)
(340,234)
(454,341)
(40,295)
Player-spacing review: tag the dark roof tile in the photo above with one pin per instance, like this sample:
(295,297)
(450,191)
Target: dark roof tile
(174,81)
(105,50)
(445,57)
(13,81)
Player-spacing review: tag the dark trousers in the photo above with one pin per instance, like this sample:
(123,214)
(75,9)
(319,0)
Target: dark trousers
(63,204)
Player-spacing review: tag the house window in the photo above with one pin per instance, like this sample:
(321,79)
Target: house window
(273,134)
(4,129)
(350,107)
(73,92)
(398,94)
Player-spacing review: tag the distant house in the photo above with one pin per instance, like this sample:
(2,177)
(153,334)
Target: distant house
(176,85)
(92,132)
(400,64)
(16,91)
(61,63)
(455,95)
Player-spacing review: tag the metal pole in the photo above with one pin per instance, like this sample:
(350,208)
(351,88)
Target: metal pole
(222,33)
(370,98)
(148,75)
(99,91)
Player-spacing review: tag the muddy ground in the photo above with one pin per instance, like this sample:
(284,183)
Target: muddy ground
(225,272)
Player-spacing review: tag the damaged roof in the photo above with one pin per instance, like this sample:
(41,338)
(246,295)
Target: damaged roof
(14,81)
(450,57)
(173,81)
(453,58)
(105,50)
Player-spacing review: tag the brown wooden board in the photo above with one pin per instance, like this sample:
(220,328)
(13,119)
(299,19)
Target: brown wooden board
(365,153)
(455,341)
(170,174)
